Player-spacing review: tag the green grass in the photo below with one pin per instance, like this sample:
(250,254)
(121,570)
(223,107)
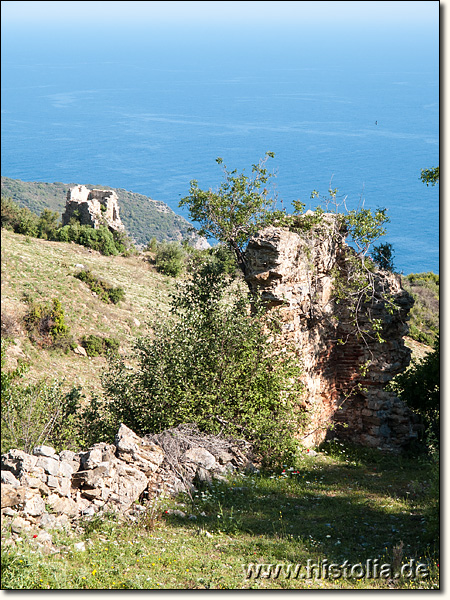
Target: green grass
(349,506)
(424,315)
(40,270)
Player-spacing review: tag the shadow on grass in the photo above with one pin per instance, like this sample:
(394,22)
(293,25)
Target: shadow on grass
(341,511)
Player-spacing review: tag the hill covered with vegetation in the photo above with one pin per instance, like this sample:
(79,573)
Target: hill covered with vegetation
(143,217)
(97,302)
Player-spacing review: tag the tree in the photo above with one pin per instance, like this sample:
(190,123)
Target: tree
(383,256)
(211,365)
(430,176)
(170,258)
(237,210)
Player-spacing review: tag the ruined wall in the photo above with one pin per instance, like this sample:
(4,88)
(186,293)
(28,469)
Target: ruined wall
(46,490)
(293,273)
(93,207)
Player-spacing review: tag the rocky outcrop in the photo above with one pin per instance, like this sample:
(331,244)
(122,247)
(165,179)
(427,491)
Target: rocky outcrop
(93,208)
(345,374)
(46,490)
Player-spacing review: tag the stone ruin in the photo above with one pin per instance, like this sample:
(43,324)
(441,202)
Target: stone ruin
(93,208)
(293,272)
(46,490)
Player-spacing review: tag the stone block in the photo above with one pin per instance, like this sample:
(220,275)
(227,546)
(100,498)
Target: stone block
(31,482)
(18,462)
(47,520)
(11,496)
(65,486)
(19,524)
(92,458)
(44,451)
(68,456)
(142,453)
(8,477)
(66,469)
(199,456)
(52,482)
(50,465)
(34,506)
(62,505)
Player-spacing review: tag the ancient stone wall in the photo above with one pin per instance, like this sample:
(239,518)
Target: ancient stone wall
(93,208)
(293,272)
(47,490)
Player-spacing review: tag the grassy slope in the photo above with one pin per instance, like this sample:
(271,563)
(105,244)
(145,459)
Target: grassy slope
(346,506)
(44,270)
(143,217)
(338,507)
(424,322)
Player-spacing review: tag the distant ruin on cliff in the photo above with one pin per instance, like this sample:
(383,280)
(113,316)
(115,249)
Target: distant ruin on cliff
(93,208)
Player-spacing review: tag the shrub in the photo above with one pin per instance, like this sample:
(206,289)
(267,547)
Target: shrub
(45,323)
(100,239)
(38,413)
(170,259)
(424,315)
(418,387)
(212,365)
(106,292)
(383,256)
(219,259)
(18,219)
(124,244)
(96,345)
(48,224)
(151,246)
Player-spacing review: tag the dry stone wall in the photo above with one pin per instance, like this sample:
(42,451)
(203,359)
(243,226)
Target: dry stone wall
(293,272)
(47,490)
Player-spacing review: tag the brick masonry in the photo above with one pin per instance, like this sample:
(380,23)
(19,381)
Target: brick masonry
(292,271)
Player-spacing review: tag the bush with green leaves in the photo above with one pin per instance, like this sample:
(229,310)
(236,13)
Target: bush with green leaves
(48,224)
(419,388)
(106,292)
(211,364)
(170,258)
(383,256)
(100,239)
(424,315)
(46,324)
(96,345)
(124,244)
(219,258)
(151,246)
(38,413)
(18,219)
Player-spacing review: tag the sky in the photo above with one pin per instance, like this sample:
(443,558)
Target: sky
(226,13)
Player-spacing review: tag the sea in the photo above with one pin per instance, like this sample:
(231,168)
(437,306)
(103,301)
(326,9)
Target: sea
(148,109)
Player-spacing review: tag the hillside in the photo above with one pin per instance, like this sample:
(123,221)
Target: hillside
(337,503)
(43,270)
(143,217)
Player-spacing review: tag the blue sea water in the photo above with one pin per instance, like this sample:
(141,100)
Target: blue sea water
(149,110)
